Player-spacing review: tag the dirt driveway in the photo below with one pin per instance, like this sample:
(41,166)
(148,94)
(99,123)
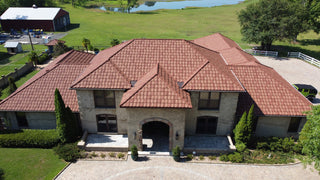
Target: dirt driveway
(165,168)
(295,71)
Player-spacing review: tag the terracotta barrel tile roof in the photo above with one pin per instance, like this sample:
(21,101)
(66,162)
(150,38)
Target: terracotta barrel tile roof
(157,89)
(37,94)
(216,42)
(272,94)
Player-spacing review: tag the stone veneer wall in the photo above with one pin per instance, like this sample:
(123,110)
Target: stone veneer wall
(225,114)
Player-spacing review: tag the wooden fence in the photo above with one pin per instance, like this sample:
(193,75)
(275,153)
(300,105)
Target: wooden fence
(305,57)
(262,53)
(16,74)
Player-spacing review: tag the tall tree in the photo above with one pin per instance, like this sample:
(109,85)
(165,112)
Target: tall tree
(239,130)
(85,43)
(60,116)
(310,136)
(249,123)
(67,126)
(12,85)
(131,4)
(269,20)
(33,57)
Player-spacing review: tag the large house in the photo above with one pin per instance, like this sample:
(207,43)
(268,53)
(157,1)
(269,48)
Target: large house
(47,19)
(197,87)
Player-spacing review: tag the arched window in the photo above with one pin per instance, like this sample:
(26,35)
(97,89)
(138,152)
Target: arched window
(207,125)
(107,123)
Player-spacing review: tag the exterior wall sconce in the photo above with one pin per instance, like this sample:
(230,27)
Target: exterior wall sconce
(177,135)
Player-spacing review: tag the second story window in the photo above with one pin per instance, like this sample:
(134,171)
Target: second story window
(209,100)
(104,99)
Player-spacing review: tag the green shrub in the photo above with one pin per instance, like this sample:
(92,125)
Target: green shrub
(176,153)
(1,173)
(278,144)
(235,157)
(189,156)
(102,155)
(30,138)
(112,154)
(201,157)
(241,147)
(93,154)
(44,57)
(212,158)
(114,42)
(68,152)
(90,47)
(134,150)
(224,158)
(120,155)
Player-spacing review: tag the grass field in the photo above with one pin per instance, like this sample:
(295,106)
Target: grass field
(22,80)
(27,163)
(190,23)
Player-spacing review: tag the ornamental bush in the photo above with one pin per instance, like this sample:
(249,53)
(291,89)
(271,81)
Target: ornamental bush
(176,153)
(235,157)
(30,138)
(68,152)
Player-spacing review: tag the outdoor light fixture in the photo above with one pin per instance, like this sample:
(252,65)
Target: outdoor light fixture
(177,135)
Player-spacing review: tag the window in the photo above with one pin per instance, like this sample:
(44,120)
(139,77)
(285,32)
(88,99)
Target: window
(107,123)
(206,125)
(104,99)
(22,120)
(209,100)
(294,124)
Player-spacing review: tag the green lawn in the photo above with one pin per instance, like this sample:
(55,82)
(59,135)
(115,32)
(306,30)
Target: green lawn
(9,62)
(20,163)
(190,23)
(22,80)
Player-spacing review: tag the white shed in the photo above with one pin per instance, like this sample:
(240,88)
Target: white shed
(13,47)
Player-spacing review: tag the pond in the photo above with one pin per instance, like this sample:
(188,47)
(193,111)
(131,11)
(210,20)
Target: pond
(155,5)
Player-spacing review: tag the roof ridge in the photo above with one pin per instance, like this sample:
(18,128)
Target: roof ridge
(78,81)
(119,70)
(195,73)
(144,84)
(172,83)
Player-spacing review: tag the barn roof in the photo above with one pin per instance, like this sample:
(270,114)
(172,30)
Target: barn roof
(11,44)
(26,13)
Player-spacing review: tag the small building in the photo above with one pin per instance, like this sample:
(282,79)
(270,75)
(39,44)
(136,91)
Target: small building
(52,43)
(47,19)
(13,47)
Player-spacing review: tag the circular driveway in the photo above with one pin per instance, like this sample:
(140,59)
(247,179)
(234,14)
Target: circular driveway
(164,167)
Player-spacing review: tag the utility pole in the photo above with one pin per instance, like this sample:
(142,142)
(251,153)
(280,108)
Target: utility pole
(30,40)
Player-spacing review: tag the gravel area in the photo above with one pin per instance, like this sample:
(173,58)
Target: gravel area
(164,167)
(295,71)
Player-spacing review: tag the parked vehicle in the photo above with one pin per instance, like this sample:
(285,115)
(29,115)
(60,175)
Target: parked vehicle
(308,91)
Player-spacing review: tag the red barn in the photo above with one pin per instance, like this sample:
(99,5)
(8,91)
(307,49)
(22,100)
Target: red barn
(48,19)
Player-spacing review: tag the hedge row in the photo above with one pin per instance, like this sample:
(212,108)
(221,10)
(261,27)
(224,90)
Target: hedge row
(30,138)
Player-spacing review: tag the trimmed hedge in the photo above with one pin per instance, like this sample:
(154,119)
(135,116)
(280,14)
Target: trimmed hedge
(30,138)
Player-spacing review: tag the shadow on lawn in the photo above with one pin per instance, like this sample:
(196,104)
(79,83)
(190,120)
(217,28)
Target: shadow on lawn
(307,42)
(283,51)
(4,57)
(70,27)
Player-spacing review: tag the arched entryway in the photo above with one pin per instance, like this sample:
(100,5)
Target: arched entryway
(156,135)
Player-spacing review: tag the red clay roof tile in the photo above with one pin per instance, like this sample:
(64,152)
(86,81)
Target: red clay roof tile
(216,42)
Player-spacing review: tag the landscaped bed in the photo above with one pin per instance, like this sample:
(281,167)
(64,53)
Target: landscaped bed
(101,155)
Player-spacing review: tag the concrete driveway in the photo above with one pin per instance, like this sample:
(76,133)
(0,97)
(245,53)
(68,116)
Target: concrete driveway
(295,71)
(164,167)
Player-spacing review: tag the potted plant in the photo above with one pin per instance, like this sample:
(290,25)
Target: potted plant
(134,152)
(176,153)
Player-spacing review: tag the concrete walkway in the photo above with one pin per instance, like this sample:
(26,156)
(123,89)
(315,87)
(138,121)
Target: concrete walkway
(166,168)
(295,71)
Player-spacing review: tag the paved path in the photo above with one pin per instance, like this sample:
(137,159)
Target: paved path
(165,168)
(295,71)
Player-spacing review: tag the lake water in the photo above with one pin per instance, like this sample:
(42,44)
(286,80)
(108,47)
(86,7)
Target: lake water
(155,5)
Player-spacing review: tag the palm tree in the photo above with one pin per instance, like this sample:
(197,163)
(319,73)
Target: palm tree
(85,43)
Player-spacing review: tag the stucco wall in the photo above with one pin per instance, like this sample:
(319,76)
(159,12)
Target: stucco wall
(276,126)
(225,114)
(88,111)
(38,120)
